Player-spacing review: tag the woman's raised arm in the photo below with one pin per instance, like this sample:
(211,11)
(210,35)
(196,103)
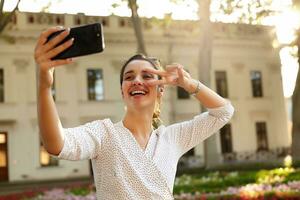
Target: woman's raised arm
(49,123)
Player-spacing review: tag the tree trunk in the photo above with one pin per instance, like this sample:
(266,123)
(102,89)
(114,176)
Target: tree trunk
(137,25)
(6,17)
(296,111)
(211,157)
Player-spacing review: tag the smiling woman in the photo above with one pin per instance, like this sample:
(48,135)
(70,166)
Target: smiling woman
(134,158)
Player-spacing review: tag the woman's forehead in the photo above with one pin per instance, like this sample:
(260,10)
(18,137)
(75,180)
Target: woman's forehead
(138,65)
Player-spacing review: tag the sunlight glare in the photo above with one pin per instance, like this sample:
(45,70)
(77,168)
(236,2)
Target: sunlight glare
(289,69)
(286,24)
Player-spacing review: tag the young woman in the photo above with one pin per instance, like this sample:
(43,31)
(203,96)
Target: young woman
(135,158)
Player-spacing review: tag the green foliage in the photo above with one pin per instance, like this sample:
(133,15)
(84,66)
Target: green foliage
(294,176)
(214,182)
(82,191)
(273,176)
(250,12)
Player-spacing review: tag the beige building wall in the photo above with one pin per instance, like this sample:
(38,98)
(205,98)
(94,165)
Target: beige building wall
(237,49)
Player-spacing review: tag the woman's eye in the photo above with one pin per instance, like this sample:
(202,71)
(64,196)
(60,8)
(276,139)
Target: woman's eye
(148,76)
(127,78)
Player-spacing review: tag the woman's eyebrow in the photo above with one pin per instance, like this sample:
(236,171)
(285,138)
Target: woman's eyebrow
(129,72)
(146,71)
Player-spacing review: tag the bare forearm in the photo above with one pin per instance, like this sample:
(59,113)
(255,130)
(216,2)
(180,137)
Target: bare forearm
(49,123)
(207,97)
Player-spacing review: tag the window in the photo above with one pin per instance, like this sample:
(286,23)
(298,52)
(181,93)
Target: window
(226,139)
(1,85)
(105,21)
(256,79)
(261,135)
(45,159)
(30,19)
(95,84)
(221,83)
(122,22)
(182,94)
(3,157)
(3,149)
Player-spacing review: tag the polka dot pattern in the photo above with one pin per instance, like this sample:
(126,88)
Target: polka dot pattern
(122,169)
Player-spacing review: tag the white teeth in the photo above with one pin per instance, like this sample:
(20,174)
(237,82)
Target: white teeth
(137,92)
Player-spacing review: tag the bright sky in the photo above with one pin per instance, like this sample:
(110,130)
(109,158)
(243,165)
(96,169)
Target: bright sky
(285,22)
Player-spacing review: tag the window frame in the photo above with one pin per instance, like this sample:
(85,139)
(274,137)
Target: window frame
(256,83)
(228,147)
(52,161)
(2,85)
(89,94)
(220,91)
(261,133)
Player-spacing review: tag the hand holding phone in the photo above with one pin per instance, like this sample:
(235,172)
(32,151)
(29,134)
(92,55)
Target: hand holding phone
(88,39)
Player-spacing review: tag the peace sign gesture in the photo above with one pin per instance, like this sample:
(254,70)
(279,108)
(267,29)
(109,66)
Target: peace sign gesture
(174,74)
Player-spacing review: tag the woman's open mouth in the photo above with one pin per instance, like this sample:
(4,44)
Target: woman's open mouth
(138,93)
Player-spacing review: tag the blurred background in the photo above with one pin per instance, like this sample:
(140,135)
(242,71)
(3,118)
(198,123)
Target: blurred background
(245,50)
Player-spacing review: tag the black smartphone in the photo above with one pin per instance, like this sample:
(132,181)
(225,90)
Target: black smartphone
(88,39)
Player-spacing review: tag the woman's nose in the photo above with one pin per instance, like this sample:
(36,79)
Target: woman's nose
(138,81)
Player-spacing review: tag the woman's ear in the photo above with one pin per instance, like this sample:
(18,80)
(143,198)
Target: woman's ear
(160,90)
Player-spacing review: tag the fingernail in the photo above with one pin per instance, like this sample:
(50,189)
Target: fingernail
(67,30)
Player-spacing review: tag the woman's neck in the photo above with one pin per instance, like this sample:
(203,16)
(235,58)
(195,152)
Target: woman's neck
(139,123)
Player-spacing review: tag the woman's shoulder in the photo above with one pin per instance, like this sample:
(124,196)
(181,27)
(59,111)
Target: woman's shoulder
(98,123)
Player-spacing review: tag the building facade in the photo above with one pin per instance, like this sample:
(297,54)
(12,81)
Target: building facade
(245,69)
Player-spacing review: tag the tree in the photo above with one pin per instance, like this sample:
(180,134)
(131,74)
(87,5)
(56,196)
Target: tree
(5,17)
(137,25)
(204,68)
(296,100)
(248,12)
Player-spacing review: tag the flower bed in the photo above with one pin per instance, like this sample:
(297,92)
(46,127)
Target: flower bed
(287,191)
(69,192)
(280,183)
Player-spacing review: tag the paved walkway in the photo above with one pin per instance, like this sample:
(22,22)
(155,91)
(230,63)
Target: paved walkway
(17,187)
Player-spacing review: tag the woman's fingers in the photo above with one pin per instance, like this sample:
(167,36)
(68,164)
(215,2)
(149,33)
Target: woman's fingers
(157,72)
(53,52)
(180,74)
(56,63)
(39,49)
(45,34)
(56,40)
(157,82)
(45,66)
(173,75)
(173,67)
